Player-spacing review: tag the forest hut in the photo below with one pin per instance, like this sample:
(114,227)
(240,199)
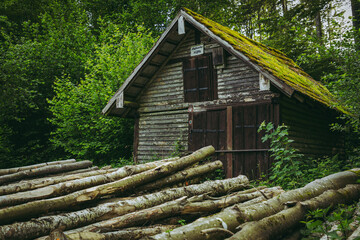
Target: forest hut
(205,84)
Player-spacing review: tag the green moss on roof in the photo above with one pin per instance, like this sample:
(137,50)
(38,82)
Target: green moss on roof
(272,60)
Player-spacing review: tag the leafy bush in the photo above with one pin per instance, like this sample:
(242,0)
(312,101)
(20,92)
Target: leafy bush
(290,168)
(334,225)
(81,129)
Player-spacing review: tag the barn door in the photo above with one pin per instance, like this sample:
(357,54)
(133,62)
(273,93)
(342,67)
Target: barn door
(208,128)
(251,155)
(233,133)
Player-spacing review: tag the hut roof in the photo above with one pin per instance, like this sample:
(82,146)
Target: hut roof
(283,72)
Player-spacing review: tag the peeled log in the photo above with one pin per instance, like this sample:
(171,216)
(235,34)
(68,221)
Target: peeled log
(44,225)
(277,224)
(234,216)
(41,171)
(18,169)
(182,176)
(77,184)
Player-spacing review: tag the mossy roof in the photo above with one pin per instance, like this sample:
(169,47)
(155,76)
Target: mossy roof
(271,60)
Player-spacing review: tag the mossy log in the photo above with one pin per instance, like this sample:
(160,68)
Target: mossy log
(46,181)
(125,234)
(278,224)
(231,217)
(36,208)
(77,184)
(18,169)
(183,175)
(180,206)
(41,171)
(44,225)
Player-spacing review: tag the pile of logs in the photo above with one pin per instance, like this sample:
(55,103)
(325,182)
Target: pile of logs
(165,199)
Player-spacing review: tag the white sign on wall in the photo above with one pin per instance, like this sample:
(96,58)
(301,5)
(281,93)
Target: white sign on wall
(197,50)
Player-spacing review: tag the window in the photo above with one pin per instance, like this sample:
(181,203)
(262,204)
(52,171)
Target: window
(199,79)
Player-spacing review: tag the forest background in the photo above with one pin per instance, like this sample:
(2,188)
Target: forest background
(62,60)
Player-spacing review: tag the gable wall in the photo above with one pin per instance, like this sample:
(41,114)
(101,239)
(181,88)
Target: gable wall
(309,127)
(163,113)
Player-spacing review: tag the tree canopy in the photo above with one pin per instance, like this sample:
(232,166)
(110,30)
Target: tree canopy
(61,60)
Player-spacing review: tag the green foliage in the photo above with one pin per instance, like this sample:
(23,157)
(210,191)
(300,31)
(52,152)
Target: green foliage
(182,222)
(179,148)
(320,222)
(28,68)
(290,168)
(81,129)
(286,170)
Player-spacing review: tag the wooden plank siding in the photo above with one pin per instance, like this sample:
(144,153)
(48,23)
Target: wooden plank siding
(309,127)
(158,133)
(163,111)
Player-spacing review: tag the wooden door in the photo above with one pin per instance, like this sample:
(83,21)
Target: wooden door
(250,156)
(208,128)
(239,147)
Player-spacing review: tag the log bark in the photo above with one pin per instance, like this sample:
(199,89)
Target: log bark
(75,171)
(77,184)
(41,171)
(44,225)
(233,216)
(183,205)
(355,234)
(36,208)
(277,224)
(182,176)
(18,169)
(46,181)
(126,234)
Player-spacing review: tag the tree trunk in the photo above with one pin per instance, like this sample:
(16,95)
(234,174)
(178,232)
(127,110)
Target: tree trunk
(319,32)
(277,224)
(46,181)
(75,185)
(18,169)
(229,200)
(125,234)
(355,235)
(180,206)
(44,225)
(182,176)
(355,9)
(41,171)
(231,217)
(284,6)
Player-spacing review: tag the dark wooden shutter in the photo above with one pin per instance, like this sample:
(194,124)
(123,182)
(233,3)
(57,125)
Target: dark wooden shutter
(198,79)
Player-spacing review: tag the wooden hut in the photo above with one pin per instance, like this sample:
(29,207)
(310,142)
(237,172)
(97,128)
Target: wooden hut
(203,83)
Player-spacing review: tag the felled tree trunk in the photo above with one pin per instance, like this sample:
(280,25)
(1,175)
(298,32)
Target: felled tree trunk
(239,197)
(64,202)
(46,181)
(126,234)
(41,171)
(182,176)
(75,185)
(179,206)
(18,169)
(275,225)
(232,217)
(44,225)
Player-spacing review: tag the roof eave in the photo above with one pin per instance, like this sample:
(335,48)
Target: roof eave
(110,105)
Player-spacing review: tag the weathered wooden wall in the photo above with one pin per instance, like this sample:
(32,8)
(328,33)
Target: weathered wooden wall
(163,112)
(309,127)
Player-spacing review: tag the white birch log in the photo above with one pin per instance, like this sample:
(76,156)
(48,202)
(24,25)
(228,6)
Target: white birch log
(44,225)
